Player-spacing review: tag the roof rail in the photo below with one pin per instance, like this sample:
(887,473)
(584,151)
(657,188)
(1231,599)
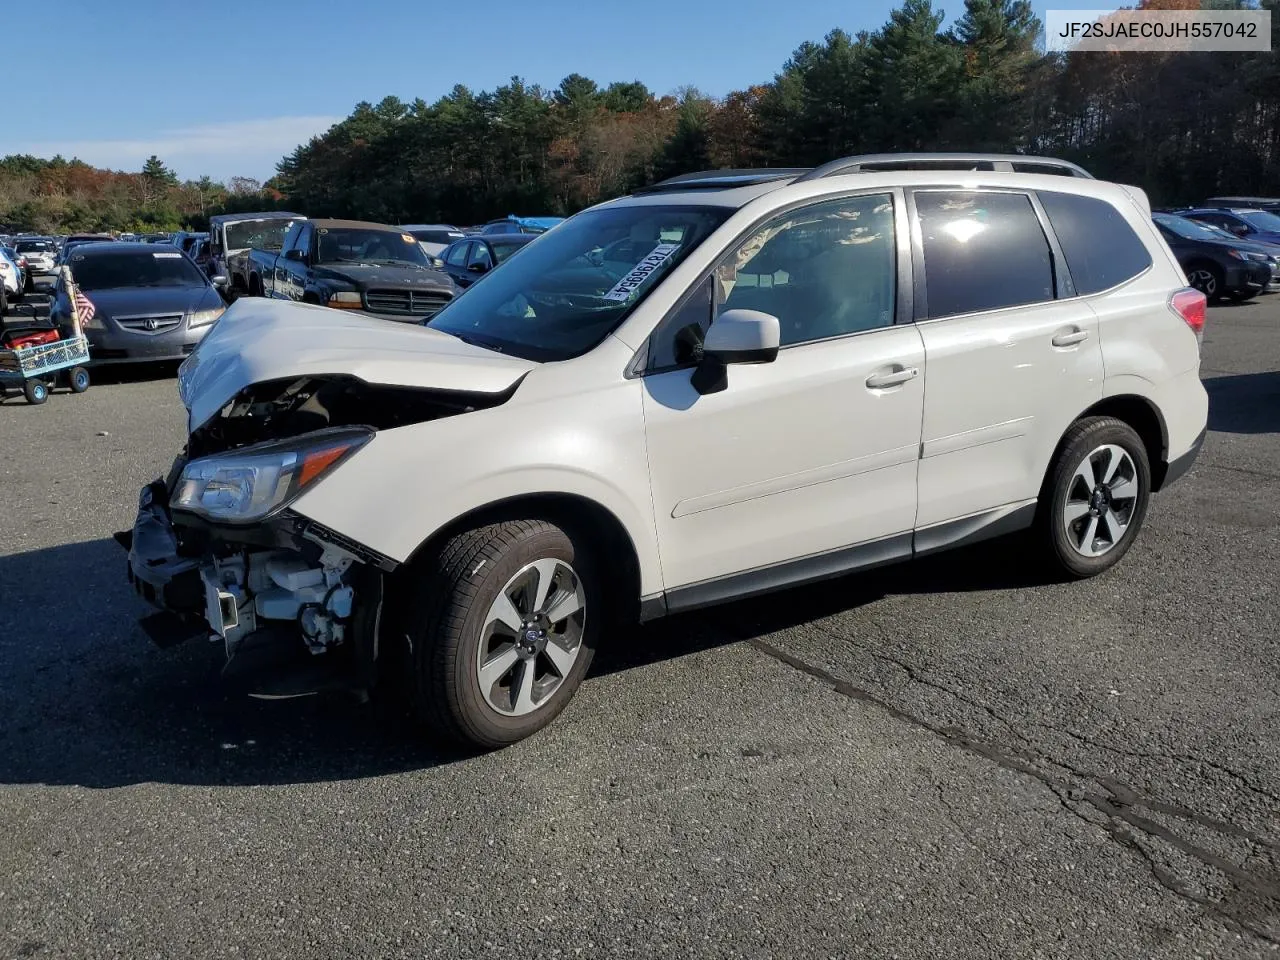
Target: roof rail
(1003,162)
(723,179)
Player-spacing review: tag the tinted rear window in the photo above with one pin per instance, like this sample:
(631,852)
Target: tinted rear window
(982,251)
(1101,248)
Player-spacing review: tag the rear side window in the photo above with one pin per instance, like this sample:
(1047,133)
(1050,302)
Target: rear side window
(1101,248)
(982,251)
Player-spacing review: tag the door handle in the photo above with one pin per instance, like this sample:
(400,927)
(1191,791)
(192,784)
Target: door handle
(893,378)
(1070,338)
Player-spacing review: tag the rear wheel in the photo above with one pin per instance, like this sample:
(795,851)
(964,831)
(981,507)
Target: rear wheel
(1095,497)
(1207,278)
(78,379)
(504,632)
(35,391)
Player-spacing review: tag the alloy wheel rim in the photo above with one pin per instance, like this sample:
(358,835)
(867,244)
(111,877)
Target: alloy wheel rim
(1102,499)
(1203,281)
(531,638)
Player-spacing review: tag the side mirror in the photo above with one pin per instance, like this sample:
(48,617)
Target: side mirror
(294,254)
(220,280)
(477,267)
(736,336)
(1240,230)
(436,262)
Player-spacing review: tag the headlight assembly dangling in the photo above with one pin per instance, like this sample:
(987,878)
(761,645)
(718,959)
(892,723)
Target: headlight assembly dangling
(248,484)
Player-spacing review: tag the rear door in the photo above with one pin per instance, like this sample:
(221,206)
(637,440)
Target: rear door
(1012,356)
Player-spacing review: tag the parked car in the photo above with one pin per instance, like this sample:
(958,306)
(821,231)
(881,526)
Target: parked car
(233,235)
(184,240)
(12,282)
(199,253)
(433,237)
(150,303)
(1217,264)
(41,255)
(352,265)
(1247,224)
(801,374)
(78,239)
(514,224)
(1259,203)
(466,261)
(23,271)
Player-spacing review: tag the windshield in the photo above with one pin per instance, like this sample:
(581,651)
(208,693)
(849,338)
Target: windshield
(504,250)
(571,287)
(1192,229)
(34,246)
(358,245)
(257,234)
(1261,220)
(143,269)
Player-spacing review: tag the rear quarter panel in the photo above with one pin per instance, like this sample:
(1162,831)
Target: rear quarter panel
(1147,349)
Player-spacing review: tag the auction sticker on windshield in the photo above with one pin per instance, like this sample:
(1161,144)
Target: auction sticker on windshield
(642,271)
(167,256)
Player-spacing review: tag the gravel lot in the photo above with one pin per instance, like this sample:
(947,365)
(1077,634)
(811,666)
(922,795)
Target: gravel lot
(944,759)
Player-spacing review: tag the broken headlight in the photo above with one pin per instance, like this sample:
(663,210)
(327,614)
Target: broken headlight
(245,485)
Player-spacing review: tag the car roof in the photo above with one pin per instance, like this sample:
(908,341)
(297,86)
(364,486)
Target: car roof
(506,237)
(269,215)
(1225,210)
(430,226)
(115,246)
(356,225)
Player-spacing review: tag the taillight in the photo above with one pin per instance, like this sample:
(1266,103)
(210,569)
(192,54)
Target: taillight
(1190,305)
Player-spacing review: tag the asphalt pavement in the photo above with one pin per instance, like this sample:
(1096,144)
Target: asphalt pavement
(943,759)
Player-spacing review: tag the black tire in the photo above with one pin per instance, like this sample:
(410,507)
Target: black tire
(1086,436)
(78,379)
(4,301)
(36,391)
(1207,277)
(445,625)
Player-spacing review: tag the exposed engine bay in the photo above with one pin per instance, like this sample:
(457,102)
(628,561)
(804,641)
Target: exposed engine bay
(288,408)
(281,580)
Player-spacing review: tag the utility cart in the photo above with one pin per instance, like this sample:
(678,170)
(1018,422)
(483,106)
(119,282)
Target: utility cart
(36,359)
(37,367)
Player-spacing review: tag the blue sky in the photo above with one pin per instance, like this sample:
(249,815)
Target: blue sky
(212,94)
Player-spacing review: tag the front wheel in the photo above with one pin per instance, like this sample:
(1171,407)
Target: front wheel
(1095,497)
(35,391)
(503,633)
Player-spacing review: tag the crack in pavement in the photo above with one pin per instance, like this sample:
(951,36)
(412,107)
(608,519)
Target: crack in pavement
(1258,892)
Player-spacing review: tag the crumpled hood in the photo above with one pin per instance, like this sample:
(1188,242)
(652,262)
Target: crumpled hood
(258,340)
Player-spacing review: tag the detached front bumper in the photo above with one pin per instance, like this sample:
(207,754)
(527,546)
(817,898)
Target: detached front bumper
(158,573)
(297,613)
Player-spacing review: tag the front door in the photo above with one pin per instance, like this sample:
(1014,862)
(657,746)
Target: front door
(814,453)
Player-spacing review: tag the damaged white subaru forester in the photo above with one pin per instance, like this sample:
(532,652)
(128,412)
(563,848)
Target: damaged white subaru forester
(725,384)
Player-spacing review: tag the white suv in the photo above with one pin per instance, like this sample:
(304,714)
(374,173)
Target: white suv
(725,384)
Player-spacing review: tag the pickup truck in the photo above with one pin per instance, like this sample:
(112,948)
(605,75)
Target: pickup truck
(232,235)
(353,265)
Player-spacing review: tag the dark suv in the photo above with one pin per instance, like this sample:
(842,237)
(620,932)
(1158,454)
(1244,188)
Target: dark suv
(1216,264)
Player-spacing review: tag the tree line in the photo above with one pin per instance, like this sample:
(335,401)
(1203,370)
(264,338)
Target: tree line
(67,196)
(1181,125)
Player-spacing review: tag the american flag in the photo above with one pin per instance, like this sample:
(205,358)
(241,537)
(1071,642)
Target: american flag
(84,307)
